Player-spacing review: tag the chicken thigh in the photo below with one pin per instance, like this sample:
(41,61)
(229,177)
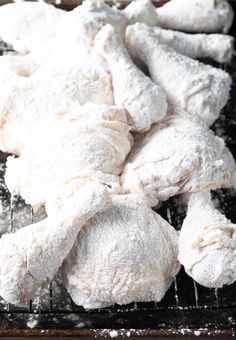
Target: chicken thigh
(196,88)
(196,15)
(34,253)
(178,156)
(207,243)
(25,102)
(126,253)
(216,46)
(88,139)
(144,100)
(51,50)
(26,24)
(74,35)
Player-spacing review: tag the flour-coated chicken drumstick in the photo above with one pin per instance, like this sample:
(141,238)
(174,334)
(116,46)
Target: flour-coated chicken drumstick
(144,100)
(200,90)
(216,46)
(207,243)
(178,156)
(33,254)
(196,16)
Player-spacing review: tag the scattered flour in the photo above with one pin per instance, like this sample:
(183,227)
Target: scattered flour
(197,333)
(113,334)
(33,321)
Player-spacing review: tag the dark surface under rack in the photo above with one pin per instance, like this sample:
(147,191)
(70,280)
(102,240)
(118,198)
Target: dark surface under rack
(188,309)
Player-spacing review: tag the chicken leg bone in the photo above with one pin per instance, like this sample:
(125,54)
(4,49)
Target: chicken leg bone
(145,101)
(207,243)
(34,253)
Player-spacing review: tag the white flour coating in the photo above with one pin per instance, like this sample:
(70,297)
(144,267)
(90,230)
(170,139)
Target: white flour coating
(216,46)
(141,11)
(199,89)
(196,15)
(86,140)
(178,156)
(52,50)
(25,24)
(75,34)
(33,254)
(14,65)
(83,23)
(24,65)
(74,37)
(25,102)
(144,100)
(126,253)
(207,243)
(57,197)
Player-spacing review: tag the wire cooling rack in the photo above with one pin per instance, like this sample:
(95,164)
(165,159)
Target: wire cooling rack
(187,309)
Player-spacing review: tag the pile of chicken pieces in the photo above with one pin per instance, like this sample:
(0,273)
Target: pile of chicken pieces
(100,141)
